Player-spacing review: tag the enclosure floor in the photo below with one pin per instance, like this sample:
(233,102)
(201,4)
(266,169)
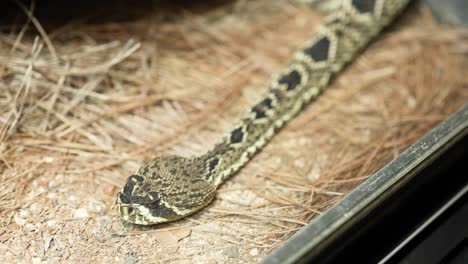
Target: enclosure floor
(88,92)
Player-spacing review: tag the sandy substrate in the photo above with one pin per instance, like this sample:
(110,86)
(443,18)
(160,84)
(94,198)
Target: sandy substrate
(90,92)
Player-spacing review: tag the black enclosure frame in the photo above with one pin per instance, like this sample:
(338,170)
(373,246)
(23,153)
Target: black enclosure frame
(414,210)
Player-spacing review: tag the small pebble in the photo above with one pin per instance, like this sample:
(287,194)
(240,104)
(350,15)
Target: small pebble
(131,259)
(81,213)
(48,159)
(19,221)
(51,223)
(314,174)
(253,252)
(231,252)
(100,238)
(47,239)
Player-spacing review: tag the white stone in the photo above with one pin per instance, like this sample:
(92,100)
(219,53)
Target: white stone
(19,221)
(253,252)
(48,159)
(81,213)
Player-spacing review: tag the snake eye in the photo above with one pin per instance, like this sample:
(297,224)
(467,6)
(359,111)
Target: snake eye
(130,210)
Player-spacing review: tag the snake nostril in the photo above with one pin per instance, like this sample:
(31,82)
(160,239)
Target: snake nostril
(130,210)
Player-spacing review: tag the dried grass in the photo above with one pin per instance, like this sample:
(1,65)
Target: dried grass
(85,100)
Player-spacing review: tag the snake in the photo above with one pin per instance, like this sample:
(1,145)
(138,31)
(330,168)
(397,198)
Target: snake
(171,187)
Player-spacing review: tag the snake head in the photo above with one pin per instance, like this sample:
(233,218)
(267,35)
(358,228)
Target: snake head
(165,189)
(136,204)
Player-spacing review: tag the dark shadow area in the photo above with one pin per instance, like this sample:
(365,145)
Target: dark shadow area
(386,227)
(54,14)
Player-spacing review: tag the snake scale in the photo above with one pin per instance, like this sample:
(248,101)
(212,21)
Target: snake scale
(171,187)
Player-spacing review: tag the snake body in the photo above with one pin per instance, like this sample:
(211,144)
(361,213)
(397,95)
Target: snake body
(171,187)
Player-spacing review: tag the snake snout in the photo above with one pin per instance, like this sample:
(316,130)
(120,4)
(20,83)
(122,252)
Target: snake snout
(126,210)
